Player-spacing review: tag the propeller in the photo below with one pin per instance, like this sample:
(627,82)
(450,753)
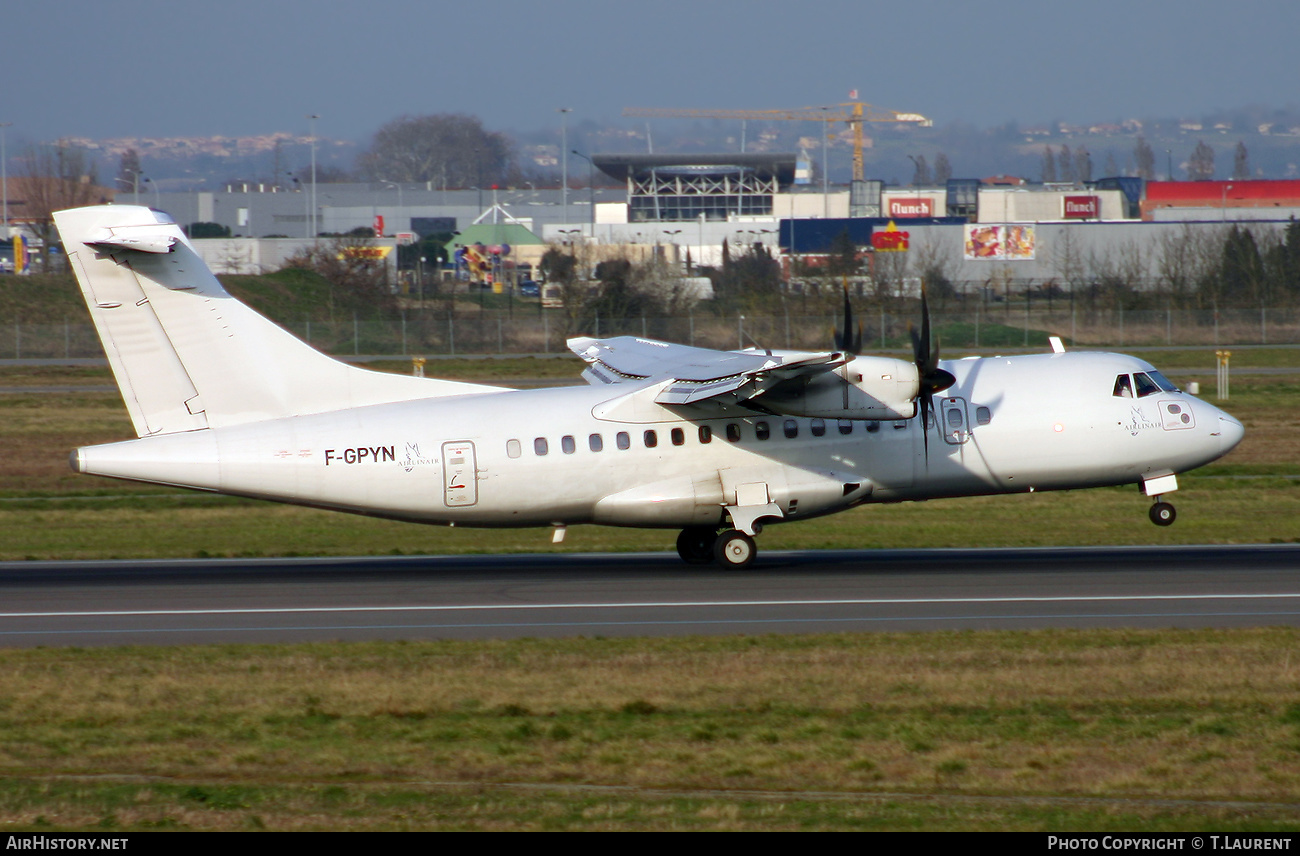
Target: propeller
(932,378)
(849,342)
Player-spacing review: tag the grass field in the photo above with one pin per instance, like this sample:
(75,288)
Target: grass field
(1048,730)
(1053,730)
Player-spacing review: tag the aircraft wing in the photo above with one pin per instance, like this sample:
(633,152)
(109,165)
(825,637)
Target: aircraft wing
(697,374)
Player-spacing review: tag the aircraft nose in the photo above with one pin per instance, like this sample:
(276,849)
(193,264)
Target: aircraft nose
(1230,433)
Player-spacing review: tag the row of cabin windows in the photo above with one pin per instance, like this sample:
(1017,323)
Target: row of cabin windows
(677,436)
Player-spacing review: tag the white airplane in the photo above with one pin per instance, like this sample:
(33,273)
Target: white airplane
(714,443)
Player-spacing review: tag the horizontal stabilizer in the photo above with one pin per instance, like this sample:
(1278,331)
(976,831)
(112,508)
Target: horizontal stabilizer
(133,239)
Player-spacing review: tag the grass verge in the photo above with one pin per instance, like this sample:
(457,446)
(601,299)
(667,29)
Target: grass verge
(1060,730)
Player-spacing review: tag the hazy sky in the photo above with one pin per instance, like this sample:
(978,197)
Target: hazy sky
(233,67)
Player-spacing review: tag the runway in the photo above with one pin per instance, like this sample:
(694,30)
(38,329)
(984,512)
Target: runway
(651,594)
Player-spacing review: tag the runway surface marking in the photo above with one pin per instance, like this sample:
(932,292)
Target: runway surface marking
(649,605)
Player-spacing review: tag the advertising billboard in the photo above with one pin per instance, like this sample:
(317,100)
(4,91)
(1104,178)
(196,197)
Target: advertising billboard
(985,242)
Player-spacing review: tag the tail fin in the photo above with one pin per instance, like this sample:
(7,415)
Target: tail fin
(186,354)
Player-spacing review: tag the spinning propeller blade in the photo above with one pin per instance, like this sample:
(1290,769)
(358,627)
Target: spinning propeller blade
(932,378)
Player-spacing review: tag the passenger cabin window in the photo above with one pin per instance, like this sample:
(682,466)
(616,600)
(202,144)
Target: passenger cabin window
(873,427)
(818,427)
(539,446)
(568,445)
(513,449)
(623,440)
(679,437)
(651,439)
(595,442)
(733,432)
(706,434)
(761,431)
(791,428)
(1123,388)
(983,415)
(846,426)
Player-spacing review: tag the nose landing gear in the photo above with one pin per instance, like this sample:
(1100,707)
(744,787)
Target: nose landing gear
(1162,513)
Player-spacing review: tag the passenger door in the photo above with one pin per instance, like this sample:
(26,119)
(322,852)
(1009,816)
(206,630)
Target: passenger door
(459,474)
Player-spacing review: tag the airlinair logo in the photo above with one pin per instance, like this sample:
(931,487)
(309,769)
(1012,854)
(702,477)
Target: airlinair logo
(1138,421)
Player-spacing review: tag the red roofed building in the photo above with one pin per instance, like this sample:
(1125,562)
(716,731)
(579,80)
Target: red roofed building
(1220,194)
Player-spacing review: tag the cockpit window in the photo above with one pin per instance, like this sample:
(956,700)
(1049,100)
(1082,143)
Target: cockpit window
(1123,388)
(1145,385)
(1163,382)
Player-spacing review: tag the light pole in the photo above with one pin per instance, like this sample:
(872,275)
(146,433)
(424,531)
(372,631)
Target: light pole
(672,239)
(591,188)
(312,217)
(135,184)
(4,172)
(564,159)
(826,192)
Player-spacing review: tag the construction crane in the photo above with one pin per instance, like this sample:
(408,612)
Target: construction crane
(854,113)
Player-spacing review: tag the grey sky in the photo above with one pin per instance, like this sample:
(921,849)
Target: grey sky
(236,67)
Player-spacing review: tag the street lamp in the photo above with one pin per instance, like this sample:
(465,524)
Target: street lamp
(135,184)
(826,193)
(4,172)
(564,159)
(672,239)
(591,188)
(311,219)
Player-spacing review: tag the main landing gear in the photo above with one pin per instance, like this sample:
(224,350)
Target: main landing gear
(700,545)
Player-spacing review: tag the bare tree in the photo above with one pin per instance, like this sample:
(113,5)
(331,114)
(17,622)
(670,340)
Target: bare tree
(1200,166)
(921,177)
(1240,163)
(447,149)
(1065,164)
(356,273)
(53,178)
(1082,165)
(129,173)
(942,169)
(1175,261)
(1145,158)
(1049,165)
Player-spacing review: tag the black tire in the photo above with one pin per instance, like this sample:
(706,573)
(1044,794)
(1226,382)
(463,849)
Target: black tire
(734,550)
(695,545)
(1163,514)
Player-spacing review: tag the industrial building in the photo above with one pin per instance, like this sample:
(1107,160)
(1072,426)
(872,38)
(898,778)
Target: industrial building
(1014,235)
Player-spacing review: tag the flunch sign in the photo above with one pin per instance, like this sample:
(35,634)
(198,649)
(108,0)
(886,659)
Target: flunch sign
(913,207)
(1081,207)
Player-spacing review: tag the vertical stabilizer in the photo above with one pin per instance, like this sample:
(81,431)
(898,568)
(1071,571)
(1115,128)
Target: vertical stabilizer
(186,354)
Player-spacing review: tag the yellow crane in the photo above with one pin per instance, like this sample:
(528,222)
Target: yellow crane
(854,113)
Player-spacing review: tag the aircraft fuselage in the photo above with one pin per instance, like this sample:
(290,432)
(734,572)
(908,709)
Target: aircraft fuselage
(595,454)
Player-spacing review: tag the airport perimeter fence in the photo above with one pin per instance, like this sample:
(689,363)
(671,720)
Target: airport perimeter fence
(434,334)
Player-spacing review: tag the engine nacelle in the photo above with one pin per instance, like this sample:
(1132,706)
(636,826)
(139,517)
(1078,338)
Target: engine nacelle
(867,388)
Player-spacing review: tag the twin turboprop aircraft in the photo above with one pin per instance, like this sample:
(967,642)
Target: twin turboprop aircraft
(714,443)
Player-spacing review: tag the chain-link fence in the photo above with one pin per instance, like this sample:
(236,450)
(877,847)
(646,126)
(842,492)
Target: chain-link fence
(528,331)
